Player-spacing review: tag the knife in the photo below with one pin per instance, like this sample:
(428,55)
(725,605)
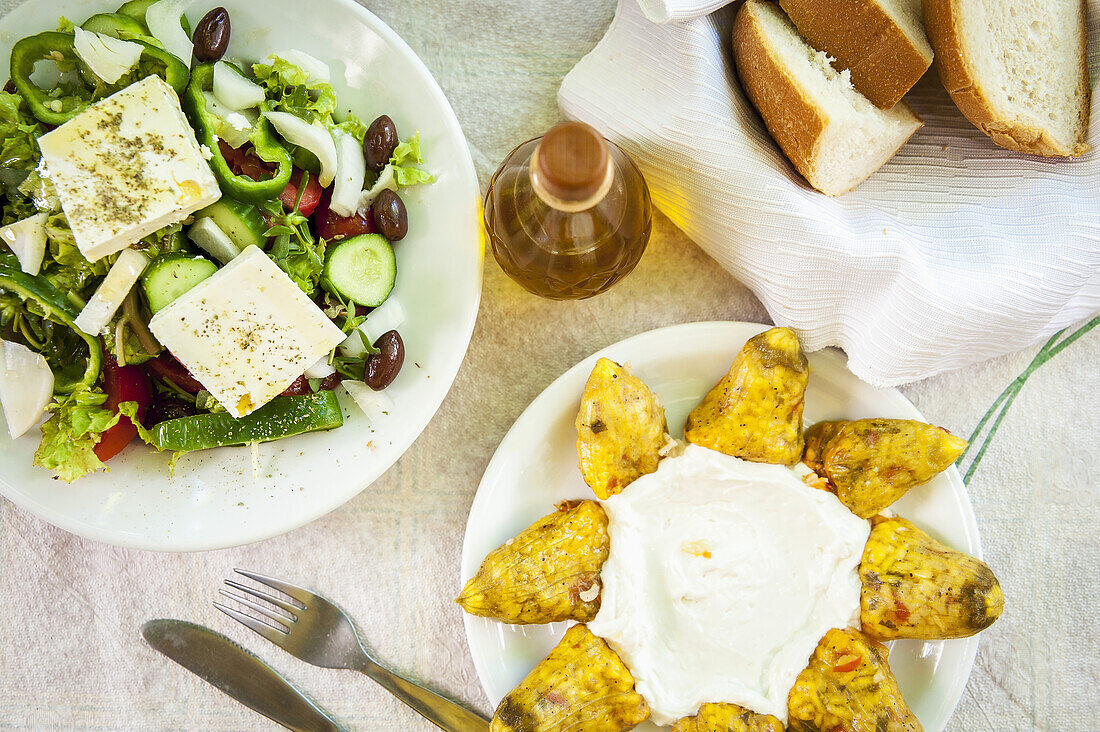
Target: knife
(222,663)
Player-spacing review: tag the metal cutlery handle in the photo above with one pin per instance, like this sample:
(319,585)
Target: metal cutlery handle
(438,710)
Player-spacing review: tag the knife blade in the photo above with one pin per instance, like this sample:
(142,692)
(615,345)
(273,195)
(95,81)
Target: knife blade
(227,666)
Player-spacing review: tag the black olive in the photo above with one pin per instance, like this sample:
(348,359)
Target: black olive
(330,382)
(211,36)
(382,367)
(298,387)
(379,143)
(390,216)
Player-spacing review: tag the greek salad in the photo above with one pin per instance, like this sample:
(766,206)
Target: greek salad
(197,249)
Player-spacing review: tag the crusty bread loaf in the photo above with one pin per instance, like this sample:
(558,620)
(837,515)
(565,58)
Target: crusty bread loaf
(882,42)
(832,134)
(1017,69)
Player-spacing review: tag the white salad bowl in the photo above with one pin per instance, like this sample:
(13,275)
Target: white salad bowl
(224,497)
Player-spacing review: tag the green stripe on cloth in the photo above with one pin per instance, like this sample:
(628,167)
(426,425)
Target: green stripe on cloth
(1000,406)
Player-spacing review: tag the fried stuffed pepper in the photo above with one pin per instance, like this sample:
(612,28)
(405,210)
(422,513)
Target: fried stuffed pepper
(916,587)
(873,462)
(620,429)
(755,411)
(848,686)
(582,686)
(727,718)
(550,572)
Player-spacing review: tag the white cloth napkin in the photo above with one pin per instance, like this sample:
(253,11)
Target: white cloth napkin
(665,11)
(954,252)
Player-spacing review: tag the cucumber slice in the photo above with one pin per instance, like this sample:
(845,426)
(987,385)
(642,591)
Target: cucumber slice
(241,222)
(361,269)
(136,10)
(283,416)
(171,275)
(209,237)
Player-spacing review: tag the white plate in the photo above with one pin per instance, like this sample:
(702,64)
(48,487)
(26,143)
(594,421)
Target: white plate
(214,501)
(536,466)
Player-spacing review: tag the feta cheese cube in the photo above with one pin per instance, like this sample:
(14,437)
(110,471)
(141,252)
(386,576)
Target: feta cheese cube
(126,167)
(246,332)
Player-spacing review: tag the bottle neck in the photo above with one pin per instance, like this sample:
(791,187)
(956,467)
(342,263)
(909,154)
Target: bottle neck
(569,206)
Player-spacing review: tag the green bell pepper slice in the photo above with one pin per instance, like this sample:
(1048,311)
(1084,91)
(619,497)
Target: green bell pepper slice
(59,310)
(283,416)
(117,25)
(58,46)
(267,147)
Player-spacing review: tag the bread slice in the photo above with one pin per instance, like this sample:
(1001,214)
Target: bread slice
(882,42)
(1017,69)
(832,134)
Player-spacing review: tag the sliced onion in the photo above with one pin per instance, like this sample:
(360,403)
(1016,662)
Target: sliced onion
(108,297)
(234,90)
(210,238)
(384,318)
(386,181)
(351,170)
(109,58)
(163,20)
(26,386)
(314,137)
(27,238)
(375,404)
(312,66)
(320,370)
(233,127)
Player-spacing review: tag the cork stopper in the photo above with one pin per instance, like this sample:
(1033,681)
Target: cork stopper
(571,167)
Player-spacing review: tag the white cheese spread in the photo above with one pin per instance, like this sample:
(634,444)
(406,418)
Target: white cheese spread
(722,578)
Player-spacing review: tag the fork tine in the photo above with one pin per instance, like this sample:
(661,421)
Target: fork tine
(266,612)
(272,634)
(300,594)
(290,608)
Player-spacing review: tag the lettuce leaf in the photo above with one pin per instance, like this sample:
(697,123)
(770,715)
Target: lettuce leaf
(302,258)
(133,352)
(290,89)
(18,154)
(405,156)
(70,435)
(354,127)
(130,410)
(65,267)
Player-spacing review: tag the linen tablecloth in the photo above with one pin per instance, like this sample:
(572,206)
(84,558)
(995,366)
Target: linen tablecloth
(71,657)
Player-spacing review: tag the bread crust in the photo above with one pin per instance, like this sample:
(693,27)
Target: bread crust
(943,22)
(791,117)
(863,38)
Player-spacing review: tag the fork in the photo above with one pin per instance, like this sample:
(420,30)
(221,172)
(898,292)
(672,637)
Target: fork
(314,630)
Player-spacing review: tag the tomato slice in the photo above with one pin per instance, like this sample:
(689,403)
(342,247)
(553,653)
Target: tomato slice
(122,384)
(310,197)
(245,162)
(331,226)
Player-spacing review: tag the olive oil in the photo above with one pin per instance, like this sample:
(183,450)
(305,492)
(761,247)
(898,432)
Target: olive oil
(568,214)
